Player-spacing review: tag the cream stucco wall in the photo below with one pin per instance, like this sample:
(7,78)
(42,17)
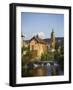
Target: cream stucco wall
(41,48)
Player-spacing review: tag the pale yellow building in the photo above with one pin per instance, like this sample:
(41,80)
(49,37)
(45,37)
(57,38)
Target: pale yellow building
(38,47)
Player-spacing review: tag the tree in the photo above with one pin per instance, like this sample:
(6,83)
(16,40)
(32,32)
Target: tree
(47,56)
(27,56)
(59,55)
(25,61)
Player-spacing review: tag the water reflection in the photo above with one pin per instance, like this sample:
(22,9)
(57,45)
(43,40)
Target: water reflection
(40,69)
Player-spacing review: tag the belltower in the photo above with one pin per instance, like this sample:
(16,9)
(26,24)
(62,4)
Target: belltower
(52,39)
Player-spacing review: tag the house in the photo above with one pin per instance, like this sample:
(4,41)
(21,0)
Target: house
(37,47)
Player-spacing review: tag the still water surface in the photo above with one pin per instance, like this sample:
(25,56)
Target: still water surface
(48,69)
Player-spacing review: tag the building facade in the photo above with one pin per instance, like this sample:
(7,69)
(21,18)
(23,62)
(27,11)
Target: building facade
(37,47)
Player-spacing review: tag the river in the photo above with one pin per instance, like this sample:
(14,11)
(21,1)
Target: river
(47,69)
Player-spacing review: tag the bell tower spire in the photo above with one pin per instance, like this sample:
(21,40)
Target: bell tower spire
(53,39)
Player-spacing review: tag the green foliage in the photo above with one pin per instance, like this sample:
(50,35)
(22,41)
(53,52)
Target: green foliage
(62,50)
(24,49)
(27,56)
(47,56)
(61,61)
(25,60)
(26,72)
(56,55)
(59,56)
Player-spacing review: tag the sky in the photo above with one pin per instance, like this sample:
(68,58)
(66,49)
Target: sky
(41,24)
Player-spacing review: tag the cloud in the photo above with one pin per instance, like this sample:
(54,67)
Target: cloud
(41,35)
(33,34)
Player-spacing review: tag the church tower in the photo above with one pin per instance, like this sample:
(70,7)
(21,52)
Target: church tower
(52,43)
